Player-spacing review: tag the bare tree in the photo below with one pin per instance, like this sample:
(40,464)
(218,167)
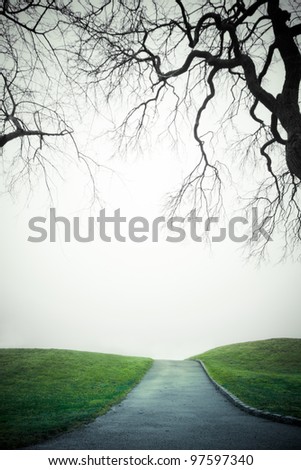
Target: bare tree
(39,95)
(185,53)
(151,49)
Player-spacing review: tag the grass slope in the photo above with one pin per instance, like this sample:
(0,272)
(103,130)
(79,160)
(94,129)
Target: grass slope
(263,374)
(46,391)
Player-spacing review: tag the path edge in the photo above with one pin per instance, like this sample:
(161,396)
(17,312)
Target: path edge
(249,409)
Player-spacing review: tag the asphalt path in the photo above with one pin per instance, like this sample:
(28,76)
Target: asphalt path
(175,406)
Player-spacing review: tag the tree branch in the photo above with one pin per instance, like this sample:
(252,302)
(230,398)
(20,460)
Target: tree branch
(4,139)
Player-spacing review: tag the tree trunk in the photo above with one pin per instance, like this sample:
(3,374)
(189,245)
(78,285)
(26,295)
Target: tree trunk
(290,119)
(288,111)
(293,153)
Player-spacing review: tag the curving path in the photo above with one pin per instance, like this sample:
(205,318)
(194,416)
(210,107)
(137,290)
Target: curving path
(176,406)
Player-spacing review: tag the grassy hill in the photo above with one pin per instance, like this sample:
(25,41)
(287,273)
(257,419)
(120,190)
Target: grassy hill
(43,392)
(263,374)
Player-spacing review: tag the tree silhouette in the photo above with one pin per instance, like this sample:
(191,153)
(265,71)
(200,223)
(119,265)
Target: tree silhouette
(192,51)
(37,91)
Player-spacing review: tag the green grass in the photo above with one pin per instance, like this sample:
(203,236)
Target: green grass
(263,374)
(47,391)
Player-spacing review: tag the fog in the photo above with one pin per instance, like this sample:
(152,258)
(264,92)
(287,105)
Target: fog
(157,299)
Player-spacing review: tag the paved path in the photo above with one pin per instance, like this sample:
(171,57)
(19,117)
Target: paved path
(176,407)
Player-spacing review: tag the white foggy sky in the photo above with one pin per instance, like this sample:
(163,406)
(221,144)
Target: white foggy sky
(151,299)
